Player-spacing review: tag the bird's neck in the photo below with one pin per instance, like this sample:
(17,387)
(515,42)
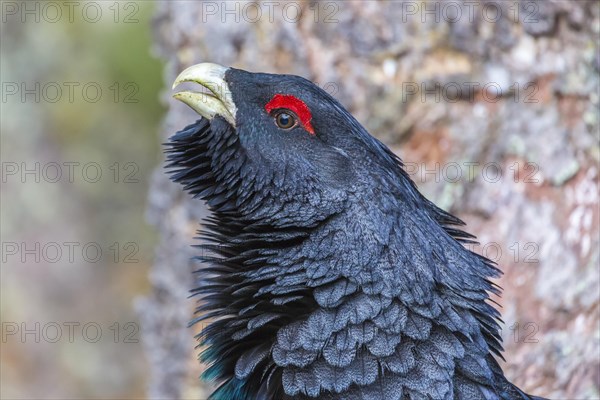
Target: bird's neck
(364,288)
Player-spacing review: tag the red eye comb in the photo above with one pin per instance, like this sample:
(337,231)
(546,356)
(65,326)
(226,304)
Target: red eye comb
(294,104)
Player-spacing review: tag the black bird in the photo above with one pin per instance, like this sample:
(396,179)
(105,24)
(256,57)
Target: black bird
(326,274)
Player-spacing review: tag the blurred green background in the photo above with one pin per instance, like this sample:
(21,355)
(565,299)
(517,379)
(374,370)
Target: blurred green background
(50,129)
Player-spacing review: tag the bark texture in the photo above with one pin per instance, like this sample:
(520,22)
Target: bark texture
(495,113)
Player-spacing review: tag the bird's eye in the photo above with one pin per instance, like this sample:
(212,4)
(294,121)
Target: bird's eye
(285,119)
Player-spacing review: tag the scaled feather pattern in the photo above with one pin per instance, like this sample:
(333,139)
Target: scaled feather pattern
(325,273)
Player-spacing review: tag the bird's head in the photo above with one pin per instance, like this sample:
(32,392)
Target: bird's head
(301,150)
(320,247)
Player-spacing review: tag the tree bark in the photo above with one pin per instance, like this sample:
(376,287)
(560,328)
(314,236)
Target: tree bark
(495,113)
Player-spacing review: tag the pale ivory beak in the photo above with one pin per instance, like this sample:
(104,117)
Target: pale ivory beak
(218,102)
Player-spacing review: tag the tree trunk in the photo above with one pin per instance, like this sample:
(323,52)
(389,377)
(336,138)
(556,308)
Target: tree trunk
(493,106)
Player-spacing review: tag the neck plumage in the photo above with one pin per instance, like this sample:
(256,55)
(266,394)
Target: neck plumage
(380,295)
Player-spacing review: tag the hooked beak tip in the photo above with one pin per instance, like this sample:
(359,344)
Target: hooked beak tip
(212,77)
